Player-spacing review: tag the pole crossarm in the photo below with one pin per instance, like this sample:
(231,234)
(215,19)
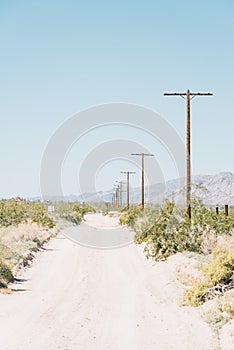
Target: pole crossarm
(185,93)
(140,154)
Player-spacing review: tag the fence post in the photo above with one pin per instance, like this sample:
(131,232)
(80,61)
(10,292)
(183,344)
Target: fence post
(217,209)
(226,209)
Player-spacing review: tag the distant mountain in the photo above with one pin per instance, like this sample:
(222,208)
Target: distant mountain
(215,189)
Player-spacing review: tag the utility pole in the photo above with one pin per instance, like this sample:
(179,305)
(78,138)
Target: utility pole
(142,175)
(116,195)
(128,173)
(120,187)
(113,199)
(188,95)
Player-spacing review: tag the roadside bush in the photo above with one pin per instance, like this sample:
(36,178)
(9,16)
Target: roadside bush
(217,274)
(130,216)
(72,211)
(38,213)
(171,231)
(196,294)
(14,212)
(220,269)
(6,275)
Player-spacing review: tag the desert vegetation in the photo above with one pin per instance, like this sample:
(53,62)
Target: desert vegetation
(207,237)
(72,212)
(25,226)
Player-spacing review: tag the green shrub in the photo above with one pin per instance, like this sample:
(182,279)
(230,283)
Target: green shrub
(14,212)
(6,275)
(218,271)
(130,216)
(38,213)
(72,211)
(195,295)
(171,231)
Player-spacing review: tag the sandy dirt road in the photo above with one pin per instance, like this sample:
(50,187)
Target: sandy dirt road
(77,298)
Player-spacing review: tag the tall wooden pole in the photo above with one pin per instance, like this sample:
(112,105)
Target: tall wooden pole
(142,176)
(117,197)
(188,95)
(188,159)
(142,181)
(120,193)
(127,189)
(128,180)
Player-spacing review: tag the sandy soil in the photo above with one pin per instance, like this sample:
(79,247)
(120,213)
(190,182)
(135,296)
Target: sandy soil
(100,221)
(77,298)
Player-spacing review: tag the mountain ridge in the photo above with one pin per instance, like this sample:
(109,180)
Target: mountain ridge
(212,189)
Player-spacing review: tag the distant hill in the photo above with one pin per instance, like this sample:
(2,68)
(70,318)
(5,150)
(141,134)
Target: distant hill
(217,189)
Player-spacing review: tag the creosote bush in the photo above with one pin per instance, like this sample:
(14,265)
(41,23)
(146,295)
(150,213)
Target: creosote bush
(6,275)
(130,216)
(72,211)
(169,231)
(14,212)
(218,271)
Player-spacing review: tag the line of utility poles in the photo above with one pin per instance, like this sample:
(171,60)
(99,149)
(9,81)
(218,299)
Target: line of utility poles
(188,95)
(117,197)
(128,173)
(142,175)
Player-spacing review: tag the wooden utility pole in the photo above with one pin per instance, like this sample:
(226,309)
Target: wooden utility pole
(120,192)
(116,195)
(188,95)
(128,173)
(142,175)
(226,209)
(113,199)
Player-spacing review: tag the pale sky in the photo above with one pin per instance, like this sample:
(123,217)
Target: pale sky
(60,57)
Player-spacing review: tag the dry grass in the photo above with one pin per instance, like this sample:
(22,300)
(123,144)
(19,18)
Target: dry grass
(17,243)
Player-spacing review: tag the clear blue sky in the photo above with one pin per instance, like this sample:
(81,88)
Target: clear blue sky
(59,57)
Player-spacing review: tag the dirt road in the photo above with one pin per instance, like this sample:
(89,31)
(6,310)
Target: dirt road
(77,298)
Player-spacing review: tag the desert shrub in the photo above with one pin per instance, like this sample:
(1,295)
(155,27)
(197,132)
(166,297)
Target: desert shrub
(38,213)
(6,275)
(130,216)
(14,212)
(196,294)
(220,269)
(167,234)
(217,272)
(171,231)
(72,211)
